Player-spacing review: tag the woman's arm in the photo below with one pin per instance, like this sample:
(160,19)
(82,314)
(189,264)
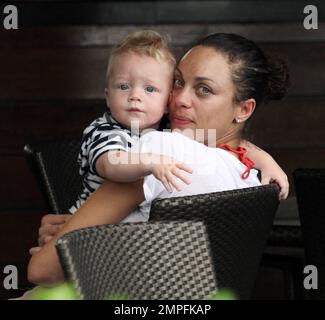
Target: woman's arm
(109,204)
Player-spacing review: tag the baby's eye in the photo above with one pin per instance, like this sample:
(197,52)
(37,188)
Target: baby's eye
(204,90)
(123,86)
(178,83)
(150,89)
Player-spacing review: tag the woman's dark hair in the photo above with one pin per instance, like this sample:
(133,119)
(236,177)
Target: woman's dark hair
(254,75)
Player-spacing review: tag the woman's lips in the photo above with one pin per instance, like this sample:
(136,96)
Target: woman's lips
(181,120)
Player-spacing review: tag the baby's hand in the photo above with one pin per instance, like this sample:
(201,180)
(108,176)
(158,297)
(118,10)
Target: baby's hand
(166,169)
(277,176)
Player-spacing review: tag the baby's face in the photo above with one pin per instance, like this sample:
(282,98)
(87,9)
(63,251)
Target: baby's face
(138,89)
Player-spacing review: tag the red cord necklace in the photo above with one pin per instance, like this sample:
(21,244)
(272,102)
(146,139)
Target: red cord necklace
(241,152)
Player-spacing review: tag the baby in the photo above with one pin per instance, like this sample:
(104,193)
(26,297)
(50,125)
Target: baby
(139,83)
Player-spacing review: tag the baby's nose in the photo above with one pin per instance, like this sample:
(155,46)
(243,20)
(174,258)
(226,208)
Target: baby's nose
(135,95)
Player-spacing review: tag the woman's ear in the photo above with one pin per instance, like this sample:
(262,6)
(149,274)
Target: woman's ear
(245,110)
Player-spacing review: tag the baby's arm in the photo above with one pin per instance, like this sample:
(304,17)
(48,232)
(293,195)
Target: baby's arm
(270,170)
(121,166)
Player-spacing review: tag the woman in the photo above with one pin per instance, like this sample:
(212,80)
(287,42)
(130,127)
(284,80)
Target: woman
(218,85)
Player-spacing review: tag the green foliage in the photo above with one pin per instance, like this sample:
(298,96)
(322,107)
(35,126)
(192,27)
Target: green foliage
(223,294)
(66,291)
(63,291)
(118,296)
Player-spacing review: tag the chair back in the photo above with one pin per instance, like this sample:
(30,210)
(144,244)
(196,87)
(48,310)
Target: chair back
(310,193)
(286,231)
(54,165)
(238,223)
(168,260)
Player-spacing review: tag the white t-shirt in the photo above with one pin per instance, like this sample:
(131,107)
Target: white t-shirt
(214,169)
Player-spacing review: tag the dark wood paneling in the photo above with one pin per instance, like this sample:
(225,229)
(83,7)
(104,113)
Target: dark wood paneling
(179,35)
(79,73)
(44,73)
(144,12)
(47,63)
(229,11)
(306,65)
(19,190)
(27,222)
(81,12)
(272,32)
(293,158)
(296,121)
(28,121)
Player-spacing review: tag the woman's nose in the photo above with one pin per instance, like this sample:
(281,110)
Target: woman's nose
(182,98)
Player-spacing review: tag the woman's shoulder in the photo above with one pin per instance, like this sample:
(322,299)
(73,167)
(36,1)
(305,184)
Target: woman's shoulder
(166,142)
(155,135)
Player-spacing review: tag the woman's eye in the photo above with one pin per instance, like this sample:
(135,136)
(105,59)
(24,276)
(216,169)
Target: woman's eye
(204,90)
(123,86)
(150,89)
(178,83)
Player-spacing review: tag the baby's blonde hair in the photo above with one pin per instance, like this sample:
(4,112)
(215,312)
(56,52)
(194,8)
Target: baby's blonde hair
(145,42)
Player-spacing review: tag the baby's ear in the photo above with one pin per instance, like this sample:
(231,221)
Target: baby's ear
(168,103)
(106,97)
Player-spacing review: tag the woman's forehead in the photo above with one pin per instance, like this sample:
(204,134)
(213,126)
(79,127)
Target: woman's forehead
(204,62)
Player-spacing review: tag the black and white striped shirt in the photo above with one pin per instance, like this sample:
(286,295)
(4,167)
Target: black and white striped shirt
(102,135)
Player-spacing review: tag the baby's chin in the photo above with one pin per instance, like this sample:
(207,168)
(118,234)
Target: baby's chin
(136,125)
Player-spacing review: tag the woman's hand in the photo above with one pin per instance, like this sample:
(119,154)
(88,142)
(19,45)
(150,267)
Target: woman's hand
(166,170)
(50,225)
(109,204)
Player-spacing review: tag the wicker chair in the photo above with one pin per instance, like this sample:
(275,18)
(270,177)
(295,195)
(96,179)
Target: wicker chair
(54,164)
(310,192)
(238,224)
(284,251)
(169,260)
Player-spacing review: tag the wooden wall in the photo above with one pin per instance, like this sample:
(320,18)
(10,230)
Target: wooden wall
(52,84)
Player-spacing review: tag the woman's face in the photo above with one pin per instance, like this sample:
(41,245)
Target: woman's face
(203,93)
